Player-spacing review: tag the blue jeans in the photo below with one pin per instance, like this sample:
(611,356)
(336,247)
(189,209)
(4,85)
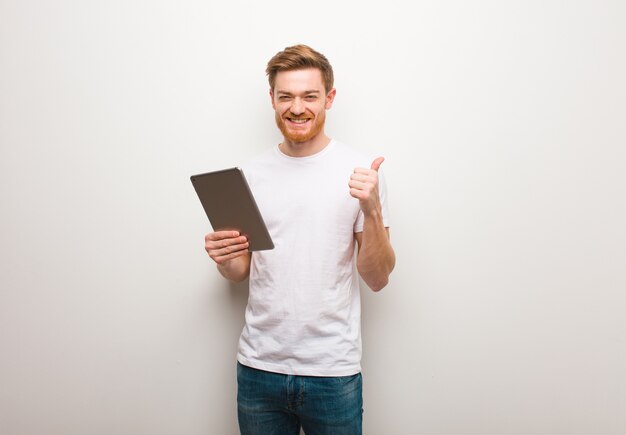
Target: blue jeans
(276,404)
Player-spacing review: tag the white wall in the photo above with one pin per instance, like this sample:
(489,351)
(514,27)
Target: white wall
(503,125)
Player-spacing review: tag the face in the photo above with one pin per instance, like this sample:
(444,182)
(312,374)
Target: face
(300,102)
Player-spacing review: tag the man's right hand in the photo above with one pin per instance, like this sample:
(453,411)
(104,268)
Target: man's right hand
(223,246)
(230,252)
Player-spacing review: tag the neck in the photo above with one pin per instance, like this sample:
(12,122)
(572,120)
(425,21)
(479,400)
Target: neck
(304,149)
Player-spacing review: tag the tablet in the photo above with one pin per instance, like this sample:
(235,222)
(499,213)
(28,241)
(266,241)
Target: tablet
(229,205)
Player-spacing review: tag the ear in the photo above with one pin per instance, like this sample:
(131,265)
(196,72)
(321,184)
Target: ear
(272,99)
(330,97)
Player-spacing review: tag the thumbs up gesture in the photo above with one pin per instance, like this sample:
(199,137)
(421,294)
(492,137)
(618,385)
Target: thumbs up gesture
(364,186)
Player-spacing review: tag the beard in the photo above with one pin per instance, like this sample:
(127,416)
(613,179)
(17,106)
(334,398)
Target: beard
(299,136)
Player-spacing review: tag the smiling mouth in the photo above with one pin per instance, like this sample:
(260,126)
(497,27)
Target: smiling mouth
(299,120)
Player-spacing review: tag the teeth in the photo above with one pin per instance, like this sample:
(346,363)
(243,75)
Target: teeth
(299,121)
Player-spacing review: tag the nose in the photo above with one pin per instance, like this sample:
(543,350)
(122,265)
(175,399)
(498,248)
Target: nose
(297,107)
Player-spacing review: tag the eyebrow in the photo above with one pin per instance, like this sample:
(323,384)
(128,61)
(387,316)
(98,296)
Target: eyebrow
(313,91)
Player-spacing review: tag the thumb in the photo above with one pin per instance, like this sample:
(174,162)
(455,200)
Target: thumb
(376,163)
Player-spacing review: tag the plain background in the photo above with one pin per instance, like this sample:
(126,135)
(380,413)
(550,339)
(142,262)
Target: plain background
(503,126)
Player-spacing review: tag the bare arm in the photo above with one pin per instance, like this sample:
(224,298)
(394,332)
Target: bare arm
(375,258)
(230,252)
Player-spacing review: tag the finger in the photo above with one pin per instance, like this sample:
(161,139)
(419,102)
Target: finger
(364,176)
(376,163)
(358,193)
(355,184)
(362,171)
(227,251)
(367,172)
(223,243)
(230,256)
(216,253)
(220,235)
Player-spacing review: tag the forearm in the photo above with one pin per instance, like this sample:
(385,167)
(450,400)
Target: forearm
(376,258)
(236,269)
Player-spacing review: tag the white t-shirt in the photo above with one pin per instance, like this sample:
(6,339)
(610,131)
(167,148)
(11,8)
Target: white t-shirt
(304,313)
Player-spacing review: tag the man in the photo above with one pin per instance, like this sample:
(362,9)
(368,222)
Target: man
(300,350)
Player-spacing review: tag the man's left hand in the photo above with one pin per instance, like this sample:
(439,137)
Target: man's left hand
(364,186)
